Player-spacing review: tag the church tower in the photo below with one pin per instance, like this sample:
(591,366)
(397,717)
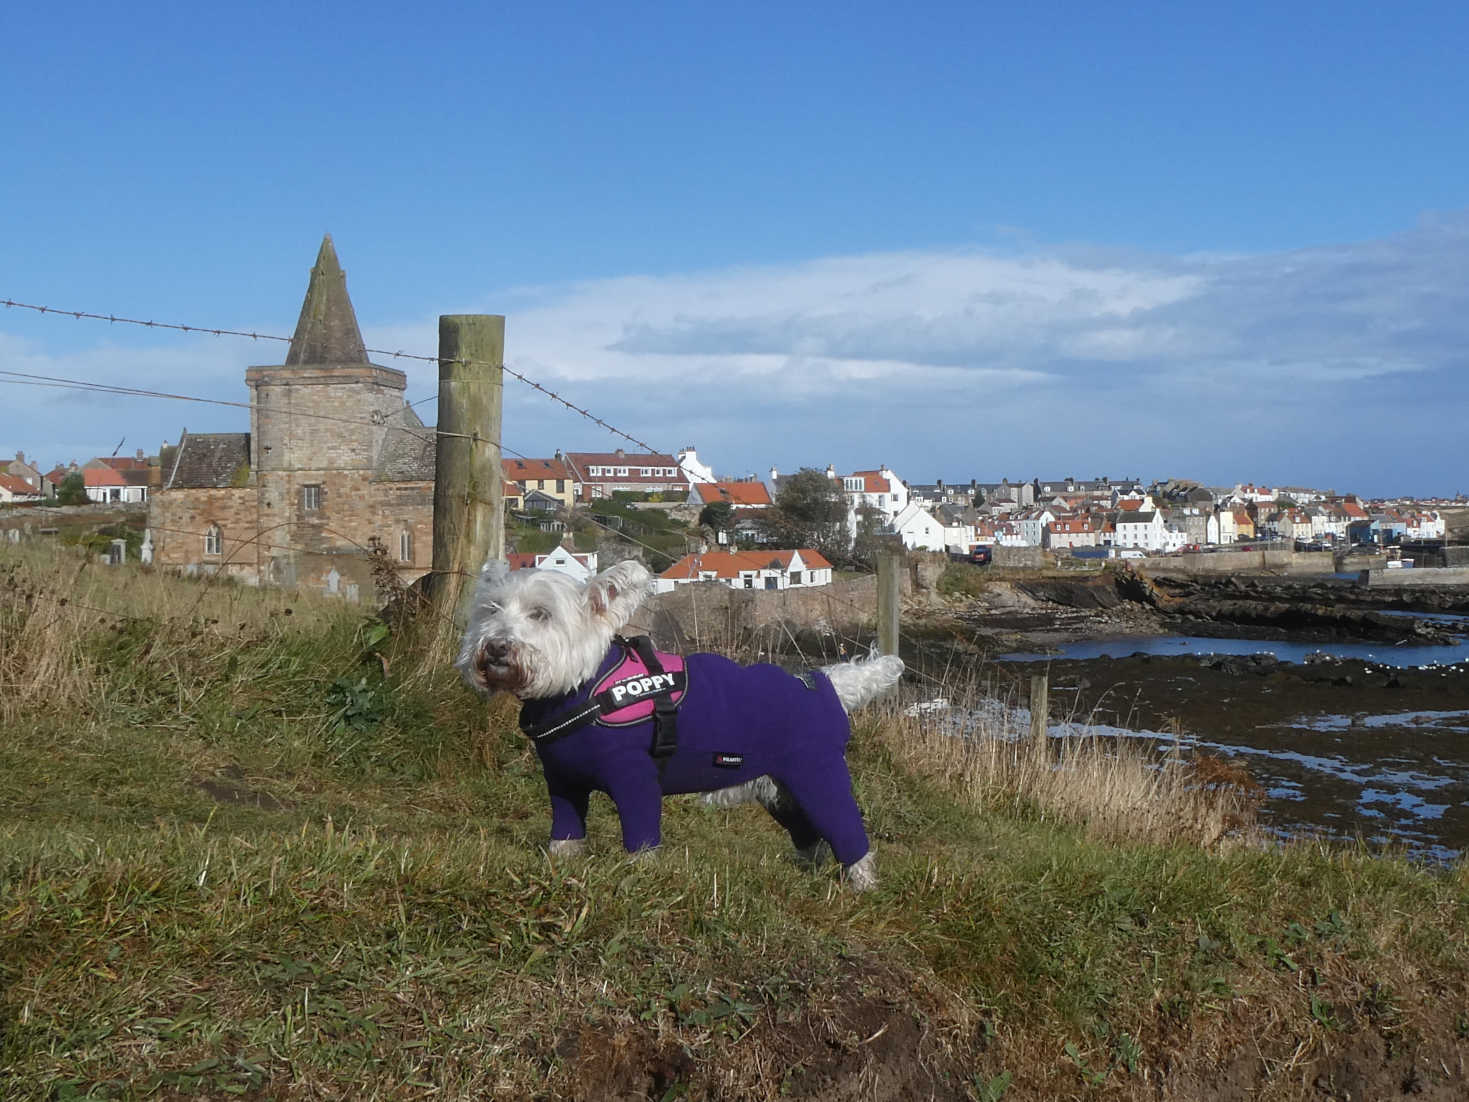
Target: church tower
(317,428)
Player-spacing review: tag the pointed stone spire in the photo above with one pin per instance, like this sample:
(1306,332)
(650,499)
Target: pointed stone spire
(327,331)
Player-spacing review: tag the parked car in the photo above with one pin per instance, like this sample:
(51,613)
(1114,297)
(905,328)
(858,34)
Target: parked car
(980,555)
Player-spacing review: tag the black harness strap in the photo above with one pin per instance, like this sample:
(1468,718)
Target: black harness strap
(665,710)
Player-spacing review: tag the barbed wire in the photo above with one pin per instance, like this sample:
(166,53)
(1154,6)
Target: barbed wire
(420,433)
(22,378)
(399,354)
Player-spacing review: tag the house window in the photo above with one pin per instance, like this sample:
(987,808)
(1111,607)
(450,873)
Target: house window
(772,583)
(213,540)
(749,581)
(561,485)
(621,472)
(405,546)
(795,577)
(311,498)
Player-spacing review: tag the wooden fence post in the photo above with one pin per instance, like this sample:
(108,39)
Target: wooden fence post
(469,519)
(1040,709)
(889,589)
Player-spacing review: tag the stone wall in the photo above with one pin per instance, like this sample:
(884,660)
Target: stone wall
(708,614)
(1027,558)
(1419,576)
(179,519)
(1240,562)
(314,417)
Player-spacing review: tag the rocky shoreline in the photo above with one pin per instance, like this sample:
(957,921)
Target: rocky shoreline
(1043,612)
(1344,747)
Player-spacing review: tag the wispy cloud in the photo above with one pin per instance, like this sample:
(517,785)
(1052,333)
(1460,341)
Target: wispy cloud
(1341,365)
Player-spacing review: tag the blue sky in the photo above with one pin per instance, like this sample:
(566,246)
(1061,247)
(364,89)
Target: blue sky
(965,240)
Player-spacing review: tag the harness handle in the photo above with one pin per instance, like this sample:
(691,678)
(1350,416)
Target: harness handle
(665,711)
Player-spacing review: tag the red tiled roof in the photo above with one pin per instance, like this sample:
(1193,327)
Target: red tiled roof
(102,476)
(124,462)
(872,482)
(518,470)
(17,485)
(582,462)
(1069,525)
(616,459)
(736,493)
(728,564)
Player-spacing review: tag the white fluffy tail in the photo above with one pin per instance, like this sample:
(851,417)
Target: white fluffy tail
(859,682)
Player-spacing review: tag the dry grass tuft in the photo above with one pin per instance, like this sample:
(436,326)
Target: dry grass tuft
(1117,789)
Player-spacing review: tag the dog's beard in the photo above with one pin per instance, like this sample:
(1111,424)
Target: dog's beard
(512,674)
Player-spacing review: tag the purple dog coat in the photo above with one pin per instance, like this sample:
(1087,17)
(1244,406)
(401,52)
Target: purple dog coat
(735,723)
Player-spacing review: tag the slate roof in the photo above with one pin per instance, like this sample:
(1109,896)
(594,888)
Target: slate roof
(326,332)
(209,460)
(408,451)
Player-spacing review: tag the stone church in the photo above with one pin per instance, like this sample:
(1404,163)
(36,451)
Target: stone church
(335,461)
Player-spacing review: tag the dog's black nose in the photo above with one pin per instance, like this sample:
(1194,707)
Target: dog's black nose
(494,650)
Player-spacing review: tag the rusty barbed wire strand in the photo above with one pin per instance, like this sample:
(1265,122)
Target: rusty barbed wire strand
(219,331)
(22,378)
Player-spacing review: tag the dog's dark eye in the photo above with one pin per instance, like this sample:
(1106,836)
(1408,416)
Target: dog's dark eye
(539,615)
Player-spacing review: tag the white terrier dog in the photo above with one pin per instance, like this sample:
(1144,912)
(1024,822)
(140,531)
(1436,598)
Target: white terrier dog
(611,715)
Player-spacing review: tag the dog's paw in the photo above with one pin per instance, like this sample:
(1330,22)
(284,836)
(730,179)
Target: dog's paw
(567,847)
(861,874)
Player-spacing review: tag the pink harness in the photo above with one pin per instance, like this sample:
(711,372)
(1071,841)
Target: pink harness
(643,684)
(631,690)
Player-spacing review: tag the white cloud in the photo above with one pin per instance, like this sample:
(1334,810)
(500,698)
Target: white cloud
(943,364)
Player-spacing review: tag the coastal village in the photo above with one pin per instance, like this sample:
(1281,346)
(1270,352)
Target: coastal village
(335,465)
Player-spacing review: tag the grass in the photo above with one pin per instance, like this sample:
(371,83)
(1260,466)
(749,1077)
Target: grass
(248,847)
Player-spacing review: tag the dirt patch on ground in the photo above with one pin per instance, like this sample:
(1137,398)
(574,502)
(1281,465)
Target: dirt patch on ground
(872,1049)
(229,786)
(855,1046)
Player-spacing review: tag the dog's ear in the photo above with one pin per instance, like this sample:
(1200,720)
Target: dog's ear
(494,572)
(616,592)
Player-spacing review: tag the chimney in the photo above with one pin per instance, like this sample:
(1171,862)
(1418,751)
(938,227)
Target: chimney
(141,456)
(831,472)
(774,474)
(20,457)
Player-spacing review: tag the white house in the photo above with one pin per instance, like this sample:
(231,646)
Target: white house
(694,470)
(1064,533)
(106,485)
(1427,525)
(918,530)
(15,488)
(745,493)
(1249,492)
(1142,529)
(562,560)
(881,490)
(1008,534)
(765,570)
(1032,523)
(958,522)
